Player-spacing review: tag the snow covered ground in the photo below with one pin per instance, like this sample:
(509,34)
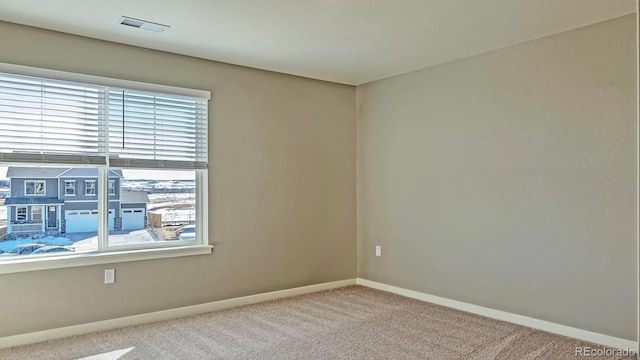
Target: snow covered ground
(175,200)
(162,186)
(3,214)
(173,206)
(49,240)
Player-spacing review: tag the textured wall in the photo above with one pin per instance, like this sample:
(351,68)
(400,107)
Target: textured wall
(508,180)
(282,188)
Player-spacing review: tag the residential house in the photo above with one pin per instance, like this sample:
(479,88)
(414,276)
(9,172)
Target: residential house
(64,200)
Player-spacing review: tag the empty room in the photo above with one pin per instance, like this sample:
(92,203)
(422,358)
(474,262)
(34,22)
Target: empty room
(411,179)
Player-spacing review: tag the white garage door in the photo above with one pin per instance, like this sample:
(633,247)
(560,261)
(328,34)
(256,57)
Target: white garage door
(133,219)
(85,220)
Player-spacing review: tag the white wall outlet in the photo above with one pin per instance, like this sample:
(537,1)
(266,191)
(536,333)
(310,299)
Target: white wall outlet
(378,250)
(109,276)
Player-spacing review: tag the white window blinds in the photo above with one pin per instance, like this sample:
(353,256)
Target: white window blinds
(157,130)
(43,119)
(53,121)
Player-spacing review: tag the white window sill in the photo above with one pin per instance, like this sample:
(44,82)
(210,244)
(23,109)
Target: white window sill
(65,261)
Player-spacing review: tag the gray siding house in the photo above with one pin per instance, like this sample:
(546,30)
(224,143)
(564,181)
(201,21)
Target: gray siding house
(65,200)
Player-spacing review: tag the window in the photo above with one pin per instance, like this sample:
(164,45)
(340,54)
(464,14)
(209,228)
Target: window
(21,213)
(145,143)
(36,213)
(160,201)
(36,187)
(69,187)
(112,187)
(90,187)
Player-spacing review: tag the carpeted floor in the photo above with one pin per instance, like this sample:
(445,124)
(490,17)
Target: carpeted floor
(348,323)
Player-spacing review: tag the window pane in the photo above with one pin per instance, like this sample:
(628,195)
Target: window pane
(90,187)
(35,217)
(70,187)
(36,213)
(156,206)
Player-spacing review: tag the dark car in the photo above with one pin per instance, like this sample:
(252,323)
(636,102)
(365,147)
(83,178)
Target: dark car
(53,249)
(24,249)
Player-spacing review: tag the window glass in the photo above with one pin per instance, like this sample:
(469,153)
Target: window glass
(34,187)
(156,206)
(90,187)
(21,214)
(70,187)
(52,223)
(148,148)
(36,213)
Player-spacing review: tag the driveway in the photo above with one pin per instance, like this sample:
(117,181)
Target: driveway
(89,241)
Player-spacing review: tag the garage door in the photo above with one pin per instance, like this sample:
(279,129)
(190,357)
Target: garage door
(133,219)
(85,220)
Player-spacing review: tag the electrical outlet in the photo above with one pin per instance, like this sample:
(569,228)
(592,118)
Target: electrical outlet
(378,250)
(109,276)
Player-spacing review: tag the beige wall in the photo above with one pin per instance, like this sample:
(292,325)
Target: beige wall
(508,180)
(282,188)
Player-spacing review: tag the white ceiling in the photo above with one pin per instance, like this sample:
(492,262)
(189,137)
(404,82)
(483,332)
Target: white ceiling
(346,41)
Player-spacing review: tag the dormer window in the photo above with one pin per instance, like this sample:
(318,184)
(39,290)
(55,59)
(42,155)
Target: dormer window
(35,187)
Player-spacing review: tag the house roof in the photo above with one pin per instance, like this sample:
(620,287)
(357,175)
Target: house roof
(129,197)
(34,172)
(88,172)
(49,172)
(33,200)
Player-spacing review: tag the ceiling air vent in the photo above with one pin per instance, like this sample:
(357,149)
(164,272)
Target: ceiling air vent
(142,24)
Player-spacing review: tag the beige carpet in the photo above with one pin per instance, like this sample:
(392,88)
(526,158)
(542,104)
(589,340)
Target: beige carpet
(348,323)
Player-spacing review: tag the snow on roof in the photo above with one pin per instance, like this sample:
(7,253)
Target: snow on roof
(128,197)
(34,172)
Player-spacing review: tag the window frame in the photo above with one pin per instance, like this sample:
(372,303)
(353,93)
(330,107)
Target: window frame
(86,188)
(33,211)
(26,213)
(44,187)
(112,186)
(106,253)
(73,182)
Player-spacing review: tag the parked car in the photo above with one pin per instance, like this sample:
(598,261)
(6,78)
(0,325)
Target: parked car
(53,249)
(23,249)
(187,233)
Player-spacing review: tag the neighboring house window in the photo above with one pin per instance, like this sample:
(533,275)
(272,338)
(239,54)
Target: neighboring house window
(34,187)
(104,129)
(70,187)
(90,187)
(21,213)
(36,213)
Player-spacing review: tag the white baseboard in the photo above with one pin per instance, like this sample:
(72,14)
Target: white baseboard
(58,333)
(547,326)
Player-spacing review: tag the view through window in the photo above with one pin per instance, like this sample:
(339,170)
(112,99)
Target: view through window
(145,207)
(101,168)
